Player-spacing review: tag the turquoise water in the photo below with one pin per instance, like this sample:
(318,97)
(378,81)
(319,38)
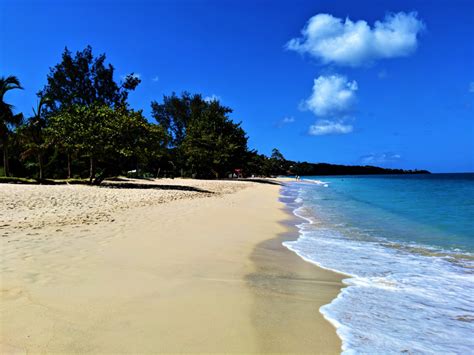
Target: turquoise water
(406,243)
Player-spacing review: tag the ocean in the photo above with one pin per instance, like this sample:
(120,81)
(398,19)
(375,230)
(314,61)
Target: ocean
(406,244)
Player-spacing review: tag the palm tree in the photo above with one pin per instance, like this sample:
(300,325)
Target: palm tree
(7,118)
(33,137)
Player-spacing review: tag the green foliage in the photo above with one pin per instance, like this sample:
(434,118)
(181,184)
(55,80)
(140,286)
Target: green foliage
(33,138)
(175,114)
(276,155)
(85,80)
(6,110)
(106,135)
(206,142)
(8,120)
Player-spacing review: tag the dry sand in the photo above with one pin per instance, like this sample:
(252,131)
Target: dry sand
(184,266)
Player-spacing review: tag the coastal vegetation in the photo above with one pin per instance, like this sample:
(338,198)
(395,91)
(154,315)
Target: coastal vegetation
(83,128)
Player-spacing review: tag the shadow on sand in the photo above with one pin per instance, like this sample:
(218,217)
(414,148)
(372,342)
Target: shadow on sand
(259,181)
(124,183)
(134,185)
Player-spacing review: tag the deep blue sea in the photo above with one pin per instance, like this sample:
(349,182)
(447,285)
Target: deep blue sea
(406,243)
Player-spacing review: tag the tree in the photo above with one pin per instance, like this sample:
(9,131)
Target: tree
(136,139)
(85,80)
(175,114)
(8,119)
(63,132)
(277,164)
(150,150)
(106,136)
(33,137)
(80,89)
(214,145)
(94,130)
(277,155)
(203,139)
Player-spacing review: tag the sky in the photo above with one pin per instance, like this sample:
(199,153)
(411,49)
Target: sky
(387,83)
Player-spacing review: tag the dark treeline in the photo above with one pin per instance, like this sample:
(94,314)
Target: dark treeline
(278,165)
(83,127)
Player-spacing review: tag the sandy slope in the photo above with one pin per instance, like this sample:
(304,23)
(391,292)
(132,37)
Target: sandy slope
(152,270)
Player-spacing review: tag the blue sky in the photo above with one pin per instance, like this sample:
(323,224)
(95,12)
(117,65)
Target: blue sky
(396,94)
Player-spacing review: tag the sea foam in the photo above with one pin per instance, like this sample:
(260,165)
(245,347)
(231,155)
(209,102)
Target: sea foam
(394,300)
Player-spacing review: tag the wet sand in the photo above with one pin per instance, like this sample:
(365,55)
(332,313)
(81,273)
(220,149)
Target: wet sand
(157,270)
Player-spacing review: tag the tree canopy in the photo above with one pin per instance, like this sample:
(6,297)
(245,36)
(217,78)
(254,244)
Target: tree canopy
(85,80)
(206,142)
(214,145)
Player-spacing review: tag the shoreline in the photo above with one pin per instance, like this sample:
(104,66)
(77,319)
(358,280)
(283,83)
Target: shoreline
(206,274)
(304,286)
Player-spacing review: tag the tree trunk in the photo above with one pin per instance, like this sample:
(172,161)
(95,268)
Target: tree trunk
(69,165)
(6,169)
(158,172)
(92,170)
(40,166)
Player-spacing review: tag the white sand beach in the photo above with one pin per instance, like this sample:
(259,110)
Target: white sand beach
(174,266)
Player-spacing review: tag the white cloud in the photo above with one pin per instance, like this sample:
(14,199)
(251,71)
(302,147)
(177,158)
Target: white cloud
(211,98)
(284,121)
(379,158)
(323,127)
(471,87)
(332,101)
(155,79)
(344,42)
(333,97)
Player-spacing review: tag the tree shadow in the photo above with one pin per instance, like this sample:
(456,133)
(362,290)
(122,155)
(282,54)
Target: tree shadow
(259,181)
(126,179)
(134,185)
